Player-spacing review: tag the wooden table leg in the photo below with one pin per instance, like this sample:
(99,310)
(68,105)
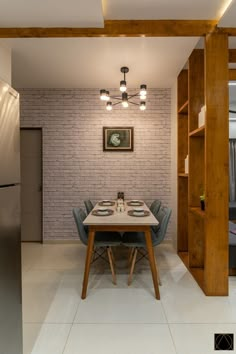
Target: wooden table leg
(152,262)
(89,254)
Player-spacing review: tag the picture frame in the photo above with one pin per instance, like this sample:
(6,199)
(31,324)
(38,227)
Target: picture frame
(118,139)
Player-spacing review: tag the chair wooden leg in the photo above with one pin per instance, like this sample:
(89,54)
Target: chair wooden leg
(131,252)
(113,258)
(109,253)
(132,266)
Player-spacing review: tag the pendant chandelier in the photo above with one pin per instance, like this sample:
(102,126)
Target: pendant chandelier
(124,99)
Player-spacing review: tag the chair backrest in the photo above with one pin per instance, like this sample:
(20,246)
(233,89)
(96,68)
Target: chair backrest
(155,206)
(79,216)
(88,205)
(163,216)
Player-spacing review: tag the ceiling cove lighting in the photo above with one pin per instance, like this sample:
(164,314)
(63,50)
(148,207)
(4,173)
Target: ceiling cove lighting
(124,99)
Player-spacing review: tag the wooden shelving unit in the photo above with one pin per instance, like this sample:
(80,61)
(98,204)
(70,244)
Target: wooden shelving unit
(183,175)
(203,235)
(198,132)
(184,108)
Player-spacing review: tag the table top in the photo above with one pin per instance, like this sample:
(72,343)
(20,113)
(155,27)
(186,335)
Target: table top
(121,218)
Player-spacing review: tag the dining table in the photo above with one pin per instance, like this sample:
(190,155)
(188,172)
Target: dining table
(126,220)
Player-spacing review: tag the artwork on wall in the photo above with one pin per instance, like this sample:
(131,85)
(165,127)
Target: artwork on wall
(118,138)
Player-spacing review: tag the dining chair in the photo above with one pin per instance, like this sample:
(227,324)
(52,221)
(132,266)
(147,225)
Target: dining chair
(137,243)
(154,207)
(88,205)
(103,242)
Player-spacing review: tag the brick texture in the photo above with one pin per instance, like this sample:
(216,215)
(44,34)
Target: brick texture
(74,164)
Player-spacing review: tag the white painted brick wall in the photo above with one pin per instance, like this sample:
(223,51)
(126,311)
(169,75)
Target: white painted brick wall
(74,164)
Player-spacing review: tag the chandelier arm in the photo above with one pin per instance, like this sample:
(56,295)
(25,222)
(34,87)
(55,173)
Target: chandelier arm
(116,98)
(135,95)
(114,104)
(136,104)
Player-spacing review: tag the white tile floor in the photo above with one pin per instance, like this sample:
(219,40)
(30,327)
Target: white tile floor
(117,319)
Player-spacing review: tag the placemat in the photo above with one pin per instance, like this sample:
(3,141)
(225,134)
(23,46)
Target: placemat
(145,213)
(97,213)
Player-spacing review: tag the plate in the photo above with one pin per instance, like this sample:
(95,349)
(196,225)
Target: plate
(102,209)
(135,203)
(106,203)
(138,210)
(138,214)
(106,212)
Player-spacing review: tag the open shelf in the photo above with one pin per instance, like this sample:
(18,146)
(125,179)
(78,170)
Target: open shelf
(184,108)
(197,211)
(183,175)
(198,132)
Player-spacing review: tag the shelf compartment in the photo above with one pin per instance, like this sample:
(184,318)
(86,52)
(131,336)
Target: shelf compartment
(198,132)
(184,108)
(197,211)
(183,175)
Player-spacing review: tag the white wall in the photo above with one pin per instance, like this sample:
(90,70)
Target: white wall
(74,164)
(5,63)
(174,162)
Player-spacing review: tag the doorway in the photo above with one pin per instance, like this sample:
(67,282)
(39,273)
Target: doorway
(31,184)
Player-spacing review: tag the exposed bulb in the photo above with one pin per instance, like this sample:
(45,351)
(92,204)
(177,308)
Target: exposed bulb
(125,104)
(123,86)
(142,106)
(109,106)
(104,95)
(143,90)
(143,97)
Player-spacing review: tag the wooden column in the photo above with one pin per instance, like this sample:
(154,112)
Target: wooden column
(216,165)
(196,158)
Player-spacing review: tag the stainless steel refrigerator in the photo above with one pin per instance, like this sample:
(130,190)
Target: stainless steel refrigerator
(10,237)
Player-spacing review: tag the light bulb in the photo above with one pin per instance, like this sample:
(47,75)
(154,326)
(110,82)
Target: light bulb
(143,97)
(109,106)
(104,95)
(143,90)
(123,86)
(125,104)
(142,106)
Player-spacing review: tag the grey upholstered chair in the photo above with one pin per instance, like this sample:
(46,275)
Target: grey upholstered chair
(88,205)
(103,241)
(155,206)
(136,240)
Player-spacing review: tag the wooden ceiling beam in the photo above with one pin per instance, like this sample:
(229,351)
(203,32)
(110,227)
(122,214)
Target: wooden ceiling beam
(231,31)
(120,28)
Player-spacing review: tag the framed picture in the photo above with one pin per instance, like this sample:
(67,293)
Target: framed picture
(118,138)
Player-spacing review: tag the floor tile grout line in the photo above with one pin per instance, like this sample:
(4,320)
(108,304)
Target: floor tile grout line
(71,326)
(163,308)
(66,341)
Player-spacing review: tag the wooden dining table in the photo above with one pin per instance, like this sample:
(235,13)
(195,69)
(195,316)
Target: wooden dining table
(123,222)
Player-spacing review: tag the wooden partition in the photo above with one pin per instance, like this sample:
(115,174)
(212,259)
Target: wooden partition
(203,241)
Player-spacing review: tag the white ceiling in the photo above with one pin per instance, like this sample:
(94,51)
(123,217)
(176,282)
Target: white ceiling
(51,13)
(96,62)
(228,19)
(162,9)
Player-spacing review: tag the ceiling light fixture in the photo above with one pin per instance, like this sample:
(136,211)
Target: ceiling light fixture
(125,97)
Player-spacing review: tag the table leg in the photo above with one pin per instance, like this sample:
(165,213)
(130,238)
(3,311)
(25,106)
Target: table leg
(152,262)
(89,254)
